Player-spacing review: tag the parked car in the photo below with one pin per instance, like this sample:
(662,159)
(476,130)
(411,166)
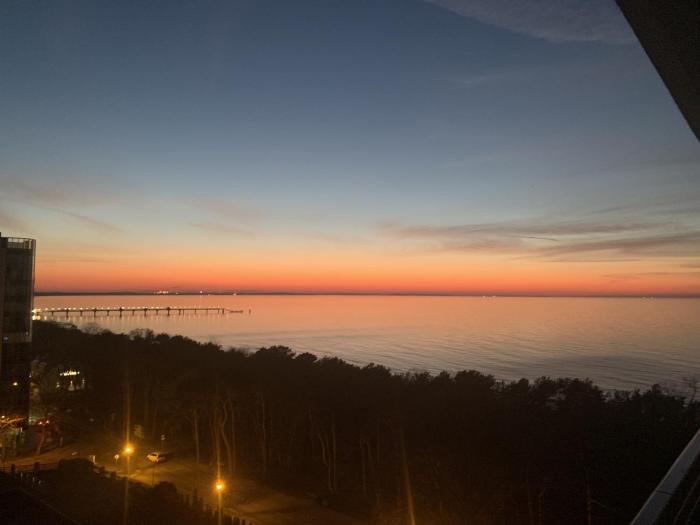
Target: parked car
(156,457)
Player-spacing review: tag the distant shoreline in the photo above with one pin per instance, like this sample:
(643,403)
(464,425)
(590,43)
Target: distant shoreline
(365,294)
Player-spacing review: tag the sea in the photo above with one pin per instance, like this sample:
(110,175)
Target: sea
(619,343)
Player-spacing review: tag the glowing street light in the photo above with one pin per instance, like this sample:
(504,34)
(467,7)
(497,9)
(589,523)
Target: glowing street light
(219,487)
(127,451)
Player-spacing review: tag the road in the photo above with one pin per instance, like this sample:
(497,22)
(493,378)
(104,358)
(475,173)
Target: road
(246,498)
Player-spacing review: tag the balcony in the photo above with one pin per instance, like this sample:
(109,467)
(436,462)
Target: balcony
(17,243)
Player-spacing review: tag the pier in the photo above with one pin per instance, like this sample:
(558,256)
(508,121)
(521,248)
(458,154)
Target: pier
(133,310)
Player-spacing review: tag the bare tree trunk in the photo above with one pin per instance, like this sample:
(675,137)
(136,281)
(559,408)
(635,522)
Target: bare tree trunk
(325,457)
(263,428)
(377,454)
(407,480)
(373,472)
(589,503)
(146,404)
(214,433)
(234,451)
(434,468)
(530,509)
(328,455)
(222,420)
(287,455)
(335,453)
(363,469)
(195,431)
(42,440)
(156,406)
(376,463)
(154,424)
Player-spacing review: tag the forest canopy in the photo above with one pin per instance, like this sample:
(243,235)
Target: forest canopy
(455,448)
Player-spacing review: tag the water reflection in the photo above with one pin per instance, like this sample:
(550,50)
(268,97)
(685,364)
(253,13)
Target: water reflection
(619,343)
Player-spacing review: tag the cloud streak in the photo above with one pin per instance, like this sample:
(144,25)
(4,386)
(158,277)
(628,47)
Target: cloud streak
(213,227)
(534,230)
(556,21)
(53,199)
(8,220)
(90,222)
(563,241)
(682,244)
(226,209)
(49,194)
(633,276)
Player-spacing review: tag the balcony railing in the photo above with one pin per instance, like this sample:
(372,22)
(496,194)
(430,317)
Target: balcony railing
(17,243)
(677,498)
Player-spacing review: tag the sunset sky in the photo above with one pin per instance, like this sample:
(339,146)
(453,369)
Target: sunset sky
(452,146)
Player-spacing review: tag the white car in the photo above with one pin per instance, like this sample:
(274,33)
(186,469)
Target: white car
(156,457)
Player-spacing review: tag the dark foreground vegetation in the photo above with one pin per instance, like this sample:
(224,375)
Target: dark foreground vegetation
(460,448)
(75,492)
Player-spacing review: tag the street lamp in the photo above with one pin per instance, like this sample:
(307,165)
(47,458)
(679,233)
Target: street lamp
(127,451)
(219,487)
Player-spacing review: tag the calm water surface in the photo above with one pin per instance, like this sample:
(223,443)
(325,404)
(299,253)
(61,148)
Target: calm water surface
(619,343)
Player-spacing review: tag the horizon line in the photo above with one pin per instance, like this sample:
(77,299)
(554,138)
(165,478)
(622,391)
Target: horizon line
(59,293)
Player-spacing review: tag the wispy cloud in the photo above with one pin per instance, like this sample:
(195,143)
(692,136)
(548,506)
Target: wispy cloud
(677,205)
(19,190)
(483,79)
(336,239)
(560,241)
(57,259)
(509,75)
(222,228)
(532,230)
(223,216)
(9,221)
(90,222)
(681,244)
(633,276)
(556,21)
(58,194)
(226,209)
(54,199)
(73,250)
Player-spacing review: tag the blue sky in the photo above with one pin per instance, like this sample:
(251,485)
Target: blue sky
(361,129)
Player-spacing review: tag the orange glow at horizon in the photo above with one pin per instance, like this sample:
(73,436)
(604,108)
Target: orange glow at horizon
(348,273)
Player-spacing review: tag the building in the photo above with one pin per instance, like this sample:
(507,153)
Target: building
(16,302)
